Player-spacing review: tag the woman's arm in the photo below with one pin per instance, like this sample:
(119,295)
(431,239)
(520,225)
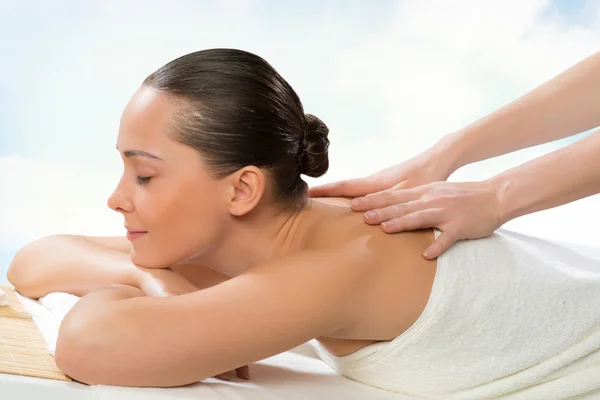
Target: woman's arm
(174,341)
(564,106)
(557,178)
(72,264)
(81,264)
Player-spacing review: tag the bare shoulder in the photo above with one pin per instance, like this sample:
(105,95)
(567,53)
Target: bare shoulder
(335,274)
(317,286)
(322,260)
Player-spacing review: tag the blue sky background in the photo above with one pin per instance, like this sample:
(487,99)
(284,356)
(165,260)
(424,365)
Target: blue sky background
(390,78)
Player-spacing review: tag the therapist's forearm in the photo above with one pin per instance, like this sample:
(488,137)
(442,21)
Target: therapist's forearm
(566,105)
(557,178)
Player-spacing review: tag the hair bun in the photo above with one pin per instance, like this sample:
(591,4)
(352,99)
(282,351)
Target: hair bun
(314,158)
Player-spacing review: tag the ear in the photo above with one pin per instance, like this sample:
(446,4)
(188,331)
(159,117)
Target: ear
(247,188)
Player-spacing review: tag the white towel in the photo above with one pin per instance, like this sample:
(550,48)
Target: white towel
(510,316)
(48,313)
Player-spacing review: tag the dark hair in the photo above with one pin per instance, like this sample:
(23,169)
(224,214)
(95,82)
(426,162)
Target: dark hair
(238,111)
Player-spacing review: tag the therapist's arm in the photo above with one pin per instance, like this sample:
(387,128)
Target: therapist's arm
(566,105)
(557,178)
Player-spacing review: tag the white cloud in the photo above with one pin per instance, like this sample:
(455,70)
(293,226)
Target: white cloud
(386,90)
(440,65)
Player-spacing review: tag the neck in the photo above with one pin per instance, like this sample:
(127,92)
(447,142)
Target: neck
(257,238)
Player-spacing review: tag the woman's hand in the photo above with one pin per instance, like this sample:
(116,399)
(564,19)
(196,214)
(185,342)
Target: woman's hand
(165,283)
(461,210)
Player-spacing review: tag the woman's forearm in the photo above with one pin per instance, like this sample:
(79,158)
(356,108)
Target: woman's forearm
(87,318)
(98,325)
(566,105)
(557,178)
(71,264)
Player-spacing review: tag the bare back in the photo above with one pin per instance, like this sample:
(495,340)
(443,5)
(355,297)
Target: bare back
(400,279)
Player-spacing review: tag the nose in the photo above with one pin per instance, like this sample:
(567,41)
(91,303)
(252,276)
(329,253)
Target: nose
(119,201)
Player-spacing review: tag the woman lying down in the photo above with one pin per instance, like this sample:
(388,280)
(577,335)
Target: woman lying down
(227,262)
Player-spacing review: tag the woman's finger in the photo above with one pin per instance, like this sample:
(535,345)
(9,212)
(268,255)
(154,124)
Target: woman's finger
(377,216)
(427,218)
(384,199)
(222,377)
(243,372)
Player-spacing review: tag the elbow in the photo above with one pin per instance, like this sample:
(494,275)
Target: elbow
(70,358)
(84,348)
(75,362)
(24,271)
(18,273)
(75,355)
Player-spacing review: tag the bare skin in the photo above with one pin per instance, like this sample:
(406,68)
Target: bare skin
(399,281)
(399,284)
(394,298)
(318,272)
(378,298)
(398,289)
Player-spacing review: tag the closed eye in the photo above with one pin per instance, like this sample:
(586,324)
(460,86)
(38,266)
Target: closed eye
(143,179)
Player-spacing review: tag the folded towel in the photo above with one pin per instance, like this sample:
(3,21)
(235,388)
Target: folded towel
(48,313)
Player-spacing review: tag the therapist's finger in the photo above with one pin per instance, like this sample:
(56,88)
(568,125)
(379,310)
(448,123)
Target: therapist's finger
(428,218)
(347,188)
(441,244)
(384,199)
(377,216)
(400,186)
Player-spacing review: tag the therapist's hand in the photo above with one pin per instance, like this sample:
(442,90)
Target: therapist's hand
(461,210)
(427,167)
(415,195)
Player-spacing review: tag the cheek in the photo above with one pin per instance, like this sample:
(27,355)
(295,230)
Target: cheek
(178,228)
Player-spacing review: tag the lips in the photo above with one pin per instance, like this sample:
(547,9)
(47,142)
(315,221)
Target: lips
(135,231)
(133,234)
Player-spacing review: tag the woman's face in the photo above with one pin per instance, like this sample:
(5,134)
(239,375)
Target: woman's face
(165,192)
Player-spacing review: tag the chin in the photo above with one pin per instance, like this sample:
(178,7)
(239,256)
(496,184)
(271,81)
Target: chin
(148,260)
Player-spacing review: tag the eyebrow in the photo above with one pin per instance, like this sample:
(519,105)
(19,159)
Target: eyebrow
(140,153)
